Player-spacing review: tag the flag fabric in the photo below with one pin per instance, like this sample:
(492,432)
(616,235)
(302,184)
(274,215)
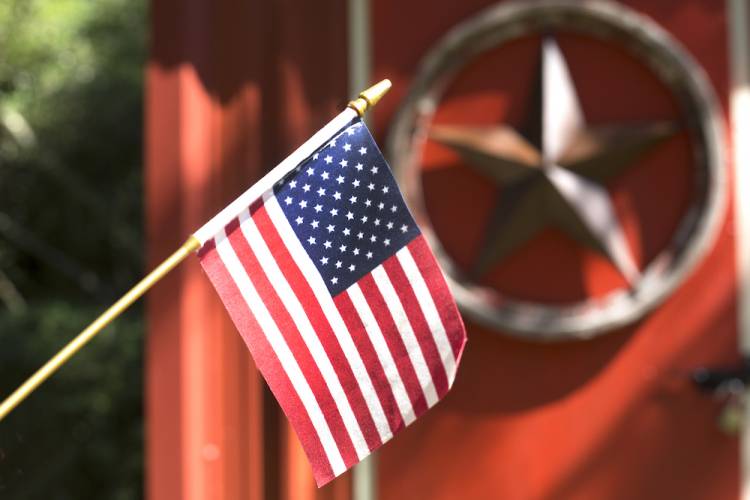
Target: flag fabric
(339,299)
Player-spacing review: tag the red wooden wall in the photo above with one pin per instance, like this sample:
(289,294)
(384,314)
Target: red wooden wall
(615,417)
(232,87)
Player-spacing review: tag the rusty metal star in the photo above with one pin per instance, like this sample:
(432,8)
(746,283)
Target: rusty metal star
(553,170)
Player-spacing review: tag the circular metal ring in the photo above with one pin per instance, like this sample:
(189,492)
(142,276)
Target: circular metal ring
(674,67)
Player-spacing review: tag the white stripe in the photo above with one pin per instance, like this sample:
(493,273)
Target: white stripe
(323,296)
(384,354)
(427,305)
(296,311)
(396,309)
(278,344)
(220,220)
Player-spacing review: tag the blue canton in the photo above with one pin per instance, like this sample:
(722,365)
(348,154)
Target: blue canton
(346,209)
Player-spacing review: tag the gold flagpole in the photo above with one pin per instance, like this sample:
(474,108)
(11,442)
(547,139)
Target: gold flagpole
(364,101)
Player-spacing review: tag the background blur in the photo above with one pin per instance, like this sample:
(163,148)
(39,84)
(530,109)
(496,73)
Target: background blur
(71,78)
(231,87)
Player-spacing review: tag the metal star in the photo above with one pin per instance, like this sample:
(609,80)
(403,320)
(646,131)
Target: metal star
(553,170)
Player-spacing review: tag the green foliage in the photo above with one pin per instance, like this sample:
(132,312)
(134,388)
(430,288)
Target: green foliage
(80,435)
(70,238)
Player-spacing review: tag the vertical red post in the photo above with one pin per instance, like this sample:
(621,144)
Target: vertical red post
(231,88)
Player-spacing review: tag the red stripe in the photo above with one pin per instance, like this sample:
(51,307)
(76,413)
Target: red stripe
(268,363)
(317,317)
(441,294)
(372,362)
(294,340)
(418,323)
(207,246)
(395,342)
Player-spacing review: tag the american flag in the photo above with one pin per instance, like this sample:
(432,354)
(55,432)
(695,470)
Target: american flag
(340,301)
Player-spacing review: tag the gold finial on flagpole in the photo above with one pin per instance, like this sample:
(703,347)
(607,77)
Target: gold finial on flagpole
(370,97)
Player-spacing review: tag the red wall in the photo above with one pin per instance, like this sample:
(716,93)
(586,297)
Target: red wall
(232,87)
(615,417)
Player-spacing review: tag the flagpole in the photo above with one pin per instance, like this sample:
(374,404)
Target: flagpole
(366,100)
(98,325)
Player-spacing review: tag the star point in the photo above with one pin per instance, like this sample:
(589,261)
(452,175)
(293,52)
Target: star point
(574,160)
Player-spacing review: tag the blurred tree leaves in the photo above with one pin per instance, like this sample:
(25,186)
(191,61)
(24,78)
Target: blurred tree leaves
(70,238)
